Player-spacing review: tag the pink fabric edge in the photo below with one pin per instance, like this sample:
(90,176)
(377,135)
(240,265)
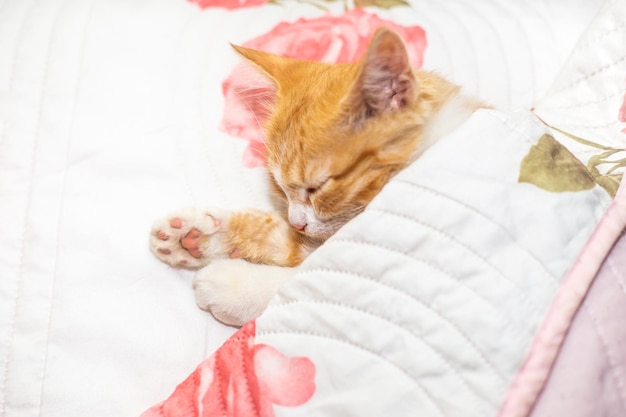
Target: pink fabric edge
(536,368)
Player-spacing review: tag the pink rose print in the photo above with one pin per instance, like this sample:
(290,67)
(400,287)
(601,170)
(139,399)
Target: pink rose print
(228,4)
(622,113)
(334,39)
(241,380)
(331,39)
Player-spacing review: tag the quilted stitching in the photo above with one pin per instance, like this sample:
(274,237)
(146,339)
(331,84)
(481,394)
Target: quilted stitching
(107,306)
(474,211)
(586,96)
(413,297)
(31,275)
(393,293)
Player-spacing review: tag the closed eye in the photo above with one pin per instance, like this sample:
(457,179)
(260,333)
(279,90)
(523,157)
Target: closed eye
(312,189)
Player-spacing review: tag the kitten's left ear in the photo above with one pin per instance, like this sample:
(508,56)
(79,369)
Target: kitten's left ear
(385,81)
(272,66)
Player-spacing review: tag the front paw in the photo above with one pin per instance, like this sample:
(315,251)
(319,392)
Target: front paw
(188,238)
(236,291)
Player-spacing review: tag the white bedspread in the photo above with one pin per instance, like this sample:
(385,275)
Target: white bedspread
(110,114)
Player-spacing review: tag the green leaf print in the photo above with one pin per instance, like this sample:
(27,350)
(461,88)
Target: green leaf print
(383,4)
(550,166)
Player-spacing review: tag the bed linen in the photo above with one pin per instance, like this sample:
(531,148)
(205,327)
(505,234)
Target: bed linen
(112,113)
(588,375)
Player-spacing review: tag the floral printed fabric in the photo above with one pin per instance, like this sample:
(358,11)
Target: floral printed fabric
(241,379)
(228,4)
(622,113)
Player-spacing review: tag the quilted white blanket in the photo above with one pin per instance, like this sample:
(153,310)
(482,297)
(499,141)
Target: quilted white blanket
(451,295)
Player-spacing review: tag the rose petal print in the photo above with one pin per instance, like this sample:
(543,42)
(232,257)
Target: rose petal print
(241,380)
(283,380)
(622,113)
(227,4)
(183,401)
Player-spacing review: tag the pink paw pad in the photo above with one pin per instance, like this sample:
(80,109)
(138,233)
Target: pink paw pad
(176,223)
(191,242)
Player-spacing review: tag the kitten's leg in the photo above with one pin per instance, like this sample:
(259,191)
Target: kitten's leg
(236,291)
(194,237)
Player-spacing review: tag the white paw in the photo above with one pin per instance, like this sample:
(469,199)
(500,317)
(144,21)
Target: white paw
(188,238)
(236,291)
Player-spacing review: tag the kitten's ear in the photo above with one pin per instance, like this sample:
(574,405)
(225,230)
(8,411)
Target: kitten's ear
(270,65)
(385,81)
(250,89)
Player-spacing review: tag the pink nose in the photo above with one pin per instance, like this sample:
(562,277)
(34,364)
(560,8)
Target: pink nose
(299,226)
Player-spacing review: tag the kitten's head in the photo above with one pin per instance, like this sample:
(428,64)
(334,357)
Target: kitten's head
(336,133)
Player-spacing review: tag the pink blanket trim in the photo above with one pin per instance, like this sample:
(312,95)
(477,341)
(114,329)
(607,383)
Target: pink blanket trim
(535,369)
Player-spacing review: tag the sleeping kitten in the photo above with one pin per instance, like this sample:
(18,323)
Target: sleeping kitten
(335,136)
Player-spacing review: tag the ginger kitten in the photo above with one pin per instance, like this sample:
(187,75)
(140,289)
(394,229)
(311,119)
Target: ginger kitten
(336,134)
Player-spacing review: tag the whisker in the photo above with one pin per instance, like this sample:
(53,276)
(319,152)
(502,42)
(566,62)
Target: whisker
(256,151)
(249,107)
